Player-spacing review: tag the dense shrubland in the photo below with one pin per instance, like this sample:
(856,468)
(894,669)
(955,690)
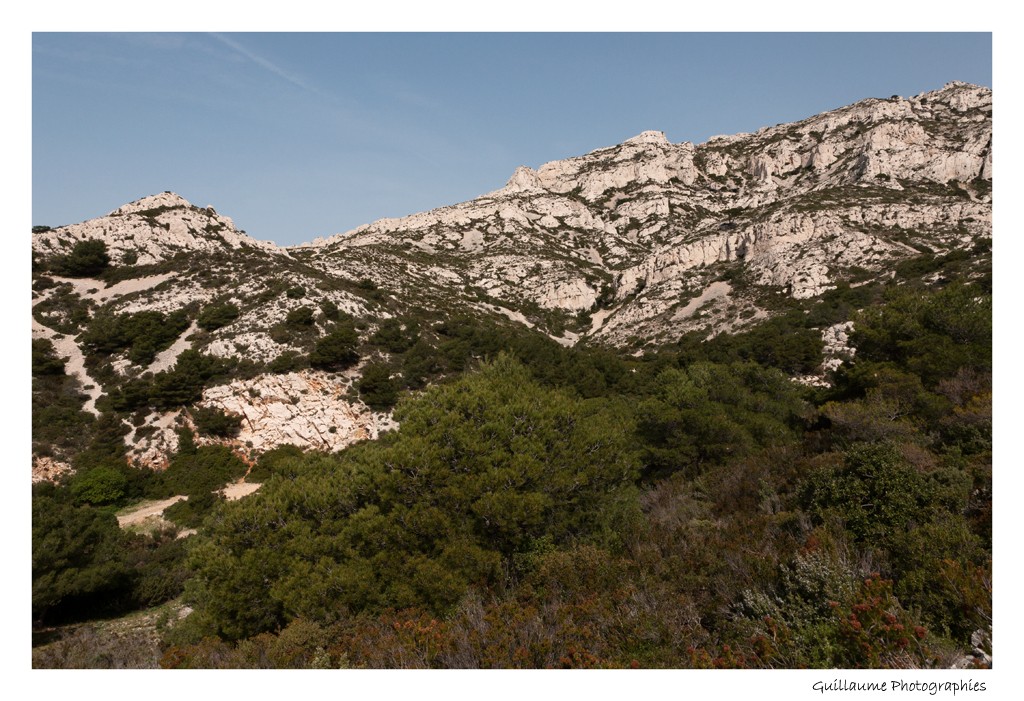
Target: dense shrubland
(551,507)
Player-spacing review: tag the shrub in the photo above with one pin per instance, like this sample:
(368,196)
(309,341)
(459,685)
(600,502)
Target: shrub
(482,469)
(300,316)
(280,460)
(216,316)
(330,310)
(289,361)
(395,336)
(183,384)
(376,388)
(87,258)
(211,421)
(142,334)
(98,486)
(201,471)
(336,350)
(876,493)
(75,558)
(706,413)
(44,358)
(191,512)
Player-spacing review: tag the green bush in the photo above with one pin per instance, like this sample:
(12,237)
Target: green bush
(300,316)
(289,361)
(189,513)
(183,383)
(216,316)
(376,388)
(87,258)
(281,460)
(395,335)
(876,494)
(330,310)
(211,421)
(142,334)
(481,469)
(98,486)
(932,334)
(201,471)
(336,350)
(44,358)
(706,413)
(76,558)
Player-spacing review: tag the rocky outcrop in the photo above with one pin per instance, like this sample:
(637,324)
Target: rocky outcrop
(48,469)
(151,230)
(309,409)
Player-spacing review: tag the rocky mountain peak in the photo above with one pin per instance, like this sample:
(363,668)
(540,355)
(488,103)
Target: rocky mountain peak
(150,230)
(649,137)
(164,200)
(524,179)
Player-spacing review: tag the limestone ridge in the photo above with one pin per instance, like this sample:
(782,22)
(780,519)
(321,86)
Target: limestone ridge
(641,225)
(615,243)
(632,245)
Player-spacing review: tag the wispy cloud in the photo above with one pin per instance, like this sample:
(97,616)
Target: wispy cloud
(268,65)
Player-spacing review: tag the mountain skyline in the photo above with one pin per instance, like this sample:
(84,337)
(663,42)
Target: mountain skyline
(302,137)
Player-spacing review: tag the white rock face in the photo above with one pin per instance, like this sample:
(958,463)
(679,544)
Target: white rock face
(153,446)
(153,229)
(837,345)
(796,205)
(308,409)
(47,469)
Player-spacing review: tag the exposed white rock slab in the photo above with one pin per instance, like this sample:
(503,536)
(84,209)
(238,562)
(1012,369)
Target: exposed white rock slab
(97,291)
(309,409)
(837,349)
(714,291)
(48,469)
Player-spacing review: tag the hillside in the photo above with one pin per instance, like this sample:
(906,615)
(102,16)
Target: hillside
(632,246)
(658,405)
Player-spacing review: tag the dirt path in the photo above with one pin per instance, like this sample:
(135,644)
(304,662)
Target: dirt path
(166,358)
(237,490)
(147,510)
(66,347)
(154,510)
(83,286)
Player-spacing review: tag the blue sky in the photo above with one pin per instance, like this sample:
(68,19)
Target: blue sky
(304,135)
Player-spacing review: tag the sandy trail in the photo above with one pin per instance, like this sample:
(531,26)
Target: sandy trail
(155,509)
(713,291)
(66,347)
(152,509)
(166,358)
(90,288)
(237,490)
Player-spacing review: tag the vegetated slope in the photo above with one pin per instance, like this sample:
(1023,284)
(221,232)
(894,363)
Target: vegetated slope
(601,459)
(632,246)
